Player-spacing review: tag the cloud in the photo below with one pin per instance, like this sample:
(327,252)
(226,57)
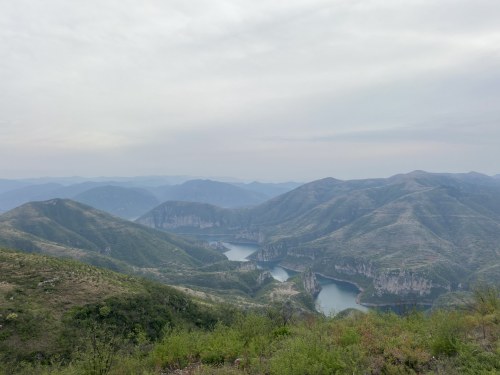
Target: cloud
(146,80)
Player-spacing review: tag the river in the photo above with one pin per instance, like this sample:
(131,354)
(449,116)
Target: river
(334,296)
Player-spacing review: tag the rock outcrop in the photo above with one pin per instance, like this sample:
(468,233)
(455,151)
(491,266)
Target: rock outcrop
(397,281)
(310,283)
(270,253)
(264,277)
(402,282)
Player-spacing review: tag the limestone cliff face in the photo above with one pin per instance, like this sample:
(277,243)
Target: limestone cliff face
(270,253)
(355,268)
(197,216)
(398,282)
(180,221)
(310,283)
(403,282)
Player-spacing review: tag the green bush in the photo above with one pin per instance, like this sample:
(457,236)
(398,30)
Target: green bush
(176,350)
(223,345)
(301,355)
(350,337)
(446,333)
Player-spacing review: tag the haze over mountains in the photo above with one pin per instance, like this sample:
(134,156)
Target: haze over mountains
(131,197)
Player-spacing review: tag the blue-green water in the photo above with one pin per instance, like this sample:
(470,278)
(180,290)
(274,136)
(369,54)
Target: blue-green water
(334,296)
(239,252)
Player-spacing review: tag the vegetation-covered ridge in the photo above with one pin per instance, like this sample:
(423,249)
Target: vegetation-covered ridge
(122,325)
(67,228)
(413,236)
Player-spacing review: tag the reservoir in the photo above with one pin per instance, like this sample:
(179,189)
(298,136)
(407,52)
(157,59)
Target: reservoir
(239,252)
(335,295)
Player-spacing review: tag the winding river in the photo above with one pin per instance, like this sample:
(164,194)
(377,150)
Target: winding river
(334,296)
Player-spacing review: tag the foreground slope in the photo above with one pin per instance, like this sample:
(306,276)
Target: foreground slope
(67,228)
(44,299)
(122,325)
(411,236)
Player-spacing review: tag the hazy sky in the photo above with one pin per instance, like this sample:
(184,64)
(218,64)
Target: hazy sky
(270,90)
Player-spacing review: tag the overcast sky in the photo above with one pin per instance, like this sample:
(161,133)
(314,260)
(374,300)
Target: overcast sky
(268,90)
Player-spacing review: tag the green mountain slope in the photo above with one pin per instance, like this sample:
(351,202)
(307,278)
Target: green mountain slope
(410,236)
(46,302)
(65,227)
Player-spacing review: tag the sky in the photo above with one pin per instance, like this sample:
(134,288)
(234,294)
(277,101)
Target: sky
(256,90)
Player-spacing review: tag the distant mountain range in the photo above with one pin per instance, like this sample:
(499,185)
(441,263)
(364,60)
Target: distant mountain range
(119,201)
(130,198)
(206,191)
(412,236)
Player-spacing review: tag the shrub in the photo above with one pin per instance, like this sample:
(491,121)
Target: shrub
(176,350)
(301,355)
(446,333)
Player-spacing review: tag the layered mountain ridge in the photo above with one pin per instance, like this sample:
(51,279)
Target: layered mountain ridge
(411,236)
(133,197)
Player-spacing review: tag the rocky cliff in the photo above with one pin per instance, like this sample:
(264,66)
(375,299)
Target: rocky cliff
(271,253)
(310,283)
(264,277)
(400,282)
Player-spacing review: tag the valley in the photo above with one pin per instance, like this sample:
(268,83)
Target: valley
(410,237)
(334,296)
(329,255)
(407,239)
